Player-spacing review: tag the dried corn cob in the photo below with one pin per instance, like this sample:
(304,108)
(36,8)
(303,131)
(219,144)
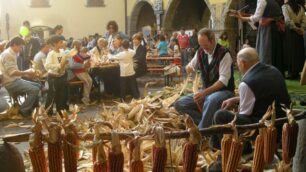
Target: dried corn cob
(115,155)
(136,165)
(234,156)
(289,141)
(100,165)
(36,151)
(258,160)
(225,149)
(71,144)
(270,144)
(190,154)
(55,147)
(159,151)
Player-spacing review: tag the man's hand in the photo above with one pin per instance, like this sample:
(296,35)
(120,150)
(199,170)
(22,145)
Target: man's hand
(230,103)
(199,97)
(30,74)
(189,69)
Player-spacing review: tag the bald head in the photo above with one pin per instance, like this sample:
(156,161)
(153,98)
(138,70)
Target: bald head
(248,55)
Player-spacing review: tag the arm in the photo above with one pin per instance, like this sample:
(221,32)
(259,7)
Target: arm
(261,5)
(118,56)
(192,65)
(247,99)
(286,14)
(9,65)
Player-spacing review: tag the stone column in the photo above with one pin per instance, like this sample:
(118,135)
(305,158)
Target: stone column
(299,160)
(158,11)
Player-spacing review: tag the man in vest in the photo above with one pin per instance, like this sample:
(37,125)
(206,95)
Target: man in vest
(260,86)
(216,67)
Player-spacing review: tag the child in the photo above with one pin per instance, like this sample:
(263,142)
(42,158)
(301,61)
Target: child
(127,73)
(174,49)
(81,72)
(57,76)
(162,47)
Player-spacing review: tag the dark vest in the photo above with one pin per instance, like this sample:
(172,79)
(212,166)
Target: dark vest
(272,9)
(267,84)
(210,72)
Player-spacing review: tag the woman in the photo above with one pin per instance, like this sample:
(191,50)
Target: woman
(140,64)
(294,43)
(112,31)
(269,40)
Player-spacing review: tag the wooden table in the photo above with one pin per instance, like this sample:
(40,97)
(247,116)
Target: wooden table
(160,67)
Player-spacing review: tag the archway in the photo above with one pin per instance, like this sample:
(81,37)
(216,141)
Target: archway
(142,15)
(186,13)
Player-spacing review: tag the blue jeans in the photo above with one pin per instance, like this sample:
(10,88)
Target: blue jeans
(31,89)
(212,103)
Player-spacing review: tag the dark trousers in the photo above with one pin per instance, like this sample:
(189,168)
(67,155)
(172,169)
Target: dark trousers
(225,117)
(128,83)
(57,93)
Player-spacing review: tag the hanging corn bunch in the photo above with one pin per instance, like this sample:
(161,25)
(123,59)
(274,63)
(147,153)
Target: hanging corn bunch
(100,164)
(258,160)
(136,165)
(36,150)
(71,143)
(159,152)
(226,143)
(270,137)
(235,152)
(289,137)
(190,154)
(115,155)
(54,146)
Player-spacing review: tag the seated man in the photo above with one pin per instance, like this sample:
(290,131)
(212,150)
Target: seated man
(216,67)
(12,77)
(260,86)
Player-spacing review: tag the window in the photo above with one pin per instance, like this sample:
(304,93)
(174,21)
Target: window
(40,3)
(95,3)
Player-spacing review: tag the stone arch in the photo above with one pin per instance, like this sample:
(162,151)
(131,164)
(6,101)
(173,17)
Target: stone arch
(142,15)
(186,13)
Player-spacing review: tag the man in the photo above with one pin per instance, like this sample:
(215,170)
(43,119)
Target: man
(12,77)
(193,42)
(183,40)
(216,67)
(41,56)
(261,85)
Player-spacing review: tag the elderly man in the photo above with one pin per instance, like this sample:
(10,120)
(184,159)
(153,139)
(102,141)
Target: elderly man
(216,67)
(260,86)
(12,77)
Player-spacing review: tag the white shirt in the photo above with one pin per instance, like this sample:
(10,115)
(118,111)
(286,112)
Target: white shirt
(291,17)
(53,61)
(247,97)
(224,68)
(260,9)
(125,59)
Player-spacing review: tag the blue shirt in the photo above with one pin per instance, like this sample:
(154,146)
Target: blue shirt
(163,48)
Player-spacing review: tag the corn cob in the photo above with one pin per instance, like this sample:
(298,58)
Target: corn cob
(190,153)
(234,156)
(270,143)
(258,161)
(55,148)
(136,165)
(159,151)
(115,155)
(36,150)
(289,141)
(225,149)
(100,165)
(70,148)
